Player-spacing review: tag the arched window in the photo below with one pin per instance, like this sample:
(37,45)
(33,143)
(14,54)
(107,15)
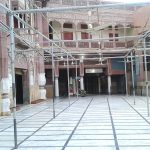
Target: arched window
(85,35)
(68,35)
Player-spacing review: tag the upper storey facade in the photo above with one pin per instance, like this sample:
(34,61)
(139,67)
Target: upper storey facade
(102,15)
(103,23)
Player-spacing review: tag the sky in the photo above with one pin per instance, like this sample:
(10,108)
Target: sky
(130,1)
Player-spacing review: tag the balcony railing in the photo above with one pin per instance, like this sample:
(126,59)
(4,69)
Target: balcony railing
(120,44)
(70,44)
(96,45)
(83,44)
(108,45)
(130,44)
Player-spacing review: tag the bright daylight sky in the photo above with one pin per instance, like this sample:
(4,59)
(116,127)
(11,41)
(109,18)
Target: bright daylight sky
(130,1)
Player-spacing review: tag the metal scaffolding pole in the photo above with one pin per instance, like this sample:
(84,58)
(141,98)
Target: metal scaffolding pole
(77,80)
(53,81)
(101,38)
(76,8)
(126,77)
(146,77)
(132,72)
(68,79)
(4,8)
(12,46)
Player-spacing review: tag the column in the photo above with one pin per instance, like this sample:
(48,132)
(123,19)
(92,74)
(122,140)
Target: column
(114,32)
(74,86)
(56,87)
(109,84)
(99,85)
(56,79)
(146,77)
(81,83)
(5,100)
(42,82)
(26,88)
(31,82)
(4,79)
(81,75)
(126,75)
(133,75)
(41,69)
(70,86)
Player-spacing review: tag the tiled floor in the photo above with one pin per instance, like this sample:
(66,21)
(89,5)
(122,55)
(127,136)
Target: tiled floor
(90,123)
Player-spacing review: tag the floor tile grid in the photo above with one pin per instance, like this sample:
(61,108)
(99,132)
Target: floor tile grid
(97,137)
(113,127)
(47,131)
(129,136)
(23,133)
(69,138)
(49,120)
(20,117)
(140,103)
(24,108)
(138,112)
(140,106)
(133,133)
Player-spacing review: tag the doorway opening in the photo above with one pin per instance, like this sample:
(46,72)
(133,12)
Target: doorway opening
(91,84)
(19,89)
(63,82)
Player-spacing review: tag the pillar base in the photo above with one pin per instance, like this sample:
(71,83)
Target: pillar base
(81,83)
(42,90)
(5,113)
(5,107)
(42,93)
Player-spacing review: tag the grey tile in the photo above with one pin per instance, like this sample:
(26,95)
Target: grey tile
(6,143)
(40,148)
(48,138)
(135,148)
(93,137)
(86,143)
(134,142)
(93,132)
(90,148)
(42,143)
(52,132)
(57,128)
(94,127)
(134,136)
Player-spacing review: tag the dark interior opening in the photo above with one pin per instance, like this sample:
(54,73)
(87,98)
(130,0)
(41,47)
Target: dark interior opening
(63,82)
(19,89)
(118,84)
(50,31)
(91,84)
(95,83)
(104,84)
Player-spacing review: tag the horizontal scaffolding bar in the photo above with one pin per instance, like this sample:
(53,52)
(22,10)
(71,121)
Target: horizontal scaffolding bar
(75,8)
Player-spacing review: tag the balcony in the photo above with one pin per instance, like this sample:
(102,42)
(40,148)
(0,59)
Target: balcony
(120,44)
(95,45)
(108,44)
(83,44)
(130,44)
(23,36)
(70,44)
